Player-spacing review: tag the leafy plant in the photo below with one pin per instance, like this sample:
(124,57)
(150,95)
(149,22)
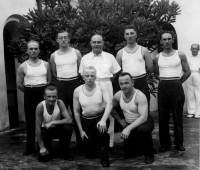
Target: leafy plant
(106,17)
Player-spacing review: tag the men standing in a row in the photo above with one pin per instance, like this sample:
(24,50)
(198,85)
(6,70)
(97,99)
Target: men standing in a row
(168,67)
(106,67)
(136,60)
(193,84)
(64,64)
(32,77)
(94,99)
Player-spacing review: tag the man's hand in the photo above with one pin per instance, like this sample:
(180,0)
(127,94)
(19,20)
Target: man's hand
(125,133)
(83,134)
(101,125)
(123,123)
(44,151)
(49,125)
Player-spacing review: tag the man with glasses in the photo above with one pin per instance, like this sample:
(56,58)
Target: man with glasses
(32,77)
(94,100)
(64,64)
(107,70)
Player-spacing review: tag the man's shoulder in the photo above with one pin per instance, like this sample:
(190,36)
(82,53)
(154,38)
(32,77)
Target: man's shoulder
(140,96)
(87,56)
(117,95)
(107,54)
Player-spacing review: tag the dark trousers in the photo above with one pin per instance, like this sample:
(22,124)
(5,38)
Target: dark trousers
(96,140)
(170,99)
(141,84)
(32,97)
(61,132)
(65,93)
(140,139)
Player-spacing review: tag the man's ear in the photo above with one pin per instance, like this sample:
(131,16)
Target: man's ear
(132,81)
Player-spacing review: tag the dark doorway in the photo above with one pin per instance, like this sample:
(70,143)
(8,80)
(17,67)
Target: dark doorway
(10,81)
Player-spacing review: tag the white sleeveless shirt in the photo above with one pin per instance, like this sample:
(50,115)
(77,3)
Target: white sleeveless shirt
(35,75)
(170,66)
(129,109)
(133,63)
(66,64)
(47,117)
(92,104)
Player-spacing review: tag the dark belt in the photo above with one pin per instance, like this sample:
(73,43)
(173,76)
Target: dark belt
(37,85)
(137,77)
(169,78)
(92,117)
(67,79)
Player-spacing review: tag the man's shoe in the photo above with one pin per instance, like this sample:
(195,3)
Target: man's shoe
(149,159)
(104,157)
(26,153)
(164,148)
(180,148)
(105,163)
(67,157)
(197,116)
(190,116)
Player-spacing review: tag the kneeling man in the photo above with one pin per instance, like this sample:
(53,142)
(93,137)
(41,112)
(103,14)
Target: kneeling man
(137,125)
(49,125)
(94,99)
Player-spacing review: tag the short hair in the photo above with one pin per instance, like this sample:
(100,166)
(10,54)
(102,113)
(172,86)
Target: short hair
(89,68)
(34,42)
(130,27)
(166,32)
(95,35)
(50,88)
(62,31)
(125,74)
(195,44)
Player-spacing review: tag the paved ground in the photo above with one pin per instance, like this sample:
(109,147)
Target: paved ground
(12,145)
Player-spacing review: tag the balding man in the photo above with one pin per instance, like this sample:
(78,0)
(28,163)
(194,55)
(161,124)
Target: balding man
(32,77)
(193,84)
(168,67)
(107,69)
(94,99)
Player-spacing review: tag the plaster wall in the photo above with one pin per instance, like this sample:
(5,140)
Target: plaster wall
(9,10)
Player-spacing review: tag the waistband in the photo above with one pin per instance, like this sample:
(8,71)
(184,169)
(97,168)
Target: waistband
(103,79)
(169,78)
(67,79)
(92,117)
(37,85)
(137,77)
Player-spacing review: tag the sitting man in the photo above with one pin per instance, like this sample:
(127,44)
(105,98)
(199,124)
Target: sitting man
(49,125)
(137,125)
(94,99)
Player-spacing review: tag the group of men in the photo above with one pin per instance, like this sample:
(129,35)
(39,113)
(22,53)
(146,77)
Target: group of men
(93,105)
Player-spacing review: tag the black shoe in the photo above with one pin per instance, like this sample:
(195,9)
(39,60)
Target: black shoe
(180,148)
(26,153)
(67,157)
(149,159)
(164,148)
(104,157)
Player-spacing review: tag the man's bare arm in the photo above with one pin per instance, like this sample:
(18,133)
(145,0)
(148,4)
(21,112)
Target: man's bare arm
(185,66)
(20,77)
(79,58)
(155,67)
(119,57)
(148,60)
(53,66)
(49,75)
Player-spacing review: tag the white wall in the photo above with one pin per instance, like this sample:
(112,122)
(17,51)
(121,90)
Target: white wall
(7,9)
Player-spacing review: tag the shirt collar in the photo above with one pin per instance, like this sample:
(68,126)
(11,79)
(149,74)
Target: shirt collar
(100,55)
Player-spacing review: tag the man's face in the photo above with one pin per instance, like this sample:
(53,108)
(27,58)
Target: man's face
(33,50)
(97,44)
(125,83)
(50,96)
(63,39)
(89,76)
(195,49)
(130,35)
(167,41)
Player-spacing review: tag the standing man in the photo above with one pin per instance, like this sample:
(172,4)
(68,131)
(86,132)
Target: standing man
(168,67)
(136,60)
(32,77)
(50,126)
(193,84)
(94,99)
(107,69)
(64,64)
(138,124)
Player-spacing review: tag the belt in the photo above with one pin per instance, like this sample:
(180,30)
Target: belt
(92,117)
(169,78)
(37,85)
(67,79)
(137,77)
